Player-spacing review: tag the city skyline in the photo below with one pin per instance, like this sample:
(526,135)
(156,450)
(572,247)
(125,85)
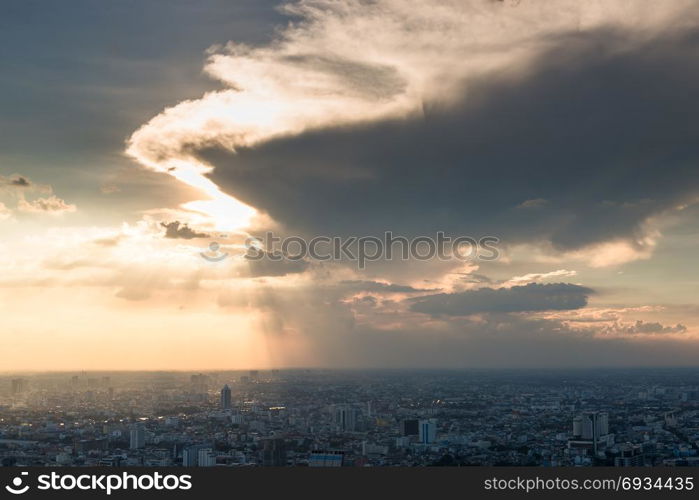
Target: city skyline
(330,418)
(143,148)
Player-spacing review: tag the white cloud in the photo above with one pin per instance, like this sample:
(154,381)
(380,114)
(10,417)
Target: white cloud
(50,205)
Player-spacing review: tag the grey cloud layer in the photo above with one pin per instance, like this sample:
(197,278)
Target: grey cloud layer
(531,297)
(338,338)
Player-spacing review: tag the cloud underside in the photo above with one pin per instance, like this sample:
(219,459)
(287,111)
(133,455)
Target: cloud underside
(566,124)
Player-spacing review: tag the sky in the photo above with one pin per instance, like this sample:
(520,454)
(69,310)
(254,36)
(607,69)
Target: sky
(140,139)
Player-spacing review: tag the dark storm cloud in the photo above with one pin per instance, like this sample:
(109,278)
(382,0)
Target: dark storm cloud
(176,229)
(595,139)
(531,297)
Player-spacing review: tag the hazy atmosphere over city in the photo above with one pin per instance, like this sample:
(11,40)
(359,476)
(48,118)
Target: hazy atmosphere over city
(145,145)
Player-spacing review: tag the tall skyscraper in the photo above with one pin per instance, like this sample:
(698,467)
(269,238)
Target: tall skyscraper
(591,425)
(226,398)
(590,430)
(138,437)
(346,418)
(191,454)
(274,452)
(189,458)
(427,431)
(206,458)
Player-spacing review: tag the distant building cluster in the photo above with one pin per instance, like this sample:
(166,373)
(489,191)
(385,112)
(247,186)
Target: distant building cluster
(307,418)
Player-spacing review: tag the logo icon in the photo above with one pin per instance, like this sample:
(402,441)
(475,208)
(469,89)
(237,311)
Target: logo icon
(214,249)
(16,488)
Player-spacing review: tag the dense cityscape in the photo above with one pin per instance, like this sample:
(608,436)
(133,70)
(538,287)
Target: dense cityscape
(321,418)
